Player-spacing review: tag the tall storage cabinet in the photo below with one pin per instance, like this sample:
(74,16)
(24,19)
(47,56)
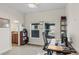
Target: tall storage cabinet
(23,37)
(63,27)
(14,37)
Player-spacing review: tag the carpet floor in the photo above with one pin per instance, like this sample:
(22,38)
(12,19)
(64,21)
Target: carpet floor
(25,50)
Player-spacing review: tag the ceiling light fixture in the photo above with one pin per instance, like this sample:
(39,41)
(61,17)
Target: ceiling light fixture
(32,6)
(16,21)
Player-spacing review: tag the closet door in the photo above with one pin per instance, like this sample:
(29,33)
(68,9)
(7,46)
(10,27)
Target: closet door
(15,37)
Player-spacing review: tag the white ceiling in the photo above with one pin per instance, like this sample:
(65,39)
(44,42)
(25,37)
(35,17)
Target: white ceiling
(23,7)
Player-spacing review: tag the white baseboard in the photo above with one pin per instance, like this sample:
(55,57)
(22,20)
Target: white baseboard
(1,52)
(35,43)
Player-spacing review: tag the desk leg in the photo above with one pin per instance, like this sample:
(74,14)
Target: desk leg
(49,52)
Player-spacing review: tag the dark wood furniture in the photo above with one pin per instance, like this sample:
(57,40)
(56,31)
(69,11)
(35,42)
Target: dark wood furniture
(23,37)
(14,37)
(63,28)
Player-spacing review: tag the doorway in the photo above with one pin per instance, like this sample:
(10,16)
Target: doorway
(14,38)
(15,33)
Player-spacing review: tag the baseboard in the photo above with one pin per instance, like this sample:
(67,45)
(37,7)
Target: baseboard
(35,44)
(4,51)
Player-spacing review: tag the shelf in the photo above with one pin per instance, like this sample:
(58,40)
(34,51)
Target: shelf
(63,25)
(63,30)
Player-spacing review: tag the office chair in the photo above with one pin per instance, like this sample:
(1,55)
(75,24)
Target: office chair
(46,43)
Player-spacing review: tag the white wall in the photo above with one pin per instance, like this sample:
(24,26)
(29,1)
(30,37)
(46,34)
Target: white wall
(5,42)
(12,14)
(5,37)
(72,11)
(50,15)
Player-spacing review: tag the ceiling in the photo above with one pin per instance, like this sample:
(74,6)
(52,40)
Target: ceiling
(23,7)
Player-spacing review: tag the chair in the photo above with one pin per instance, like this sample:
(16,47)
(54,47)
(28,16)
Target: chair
(46,43)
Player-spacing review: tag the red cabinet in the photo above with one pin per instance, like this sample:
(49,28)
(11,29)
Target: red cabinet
(14,37)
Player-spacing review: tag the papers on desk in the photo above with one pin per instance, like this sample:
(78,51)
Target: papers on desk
(55,48)
(53,42)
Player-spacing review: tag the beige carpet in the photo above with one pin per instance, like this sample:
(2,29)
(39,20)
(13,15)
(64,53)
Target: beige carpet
(25,50)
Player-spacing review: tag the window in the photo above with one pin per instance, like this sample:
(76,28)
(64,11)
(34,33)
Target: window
(35,30)
(49,29)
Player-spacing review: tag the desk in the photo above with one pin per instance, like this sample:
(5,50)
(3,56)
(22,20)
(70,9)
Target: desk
(55,48)
(58,49)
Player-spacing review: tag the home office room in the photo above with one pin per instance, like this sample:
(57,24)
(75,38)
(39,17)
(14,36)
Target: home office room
(39,28)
